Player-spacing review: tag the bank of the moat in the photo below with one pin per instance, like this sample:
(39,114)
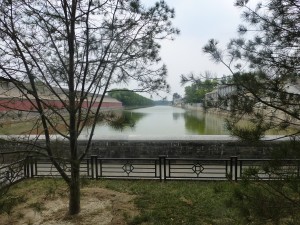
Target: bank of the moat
(189,146)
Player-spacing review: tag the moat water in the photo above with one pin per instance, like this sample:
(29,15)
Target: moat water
(152,121)
(165,120)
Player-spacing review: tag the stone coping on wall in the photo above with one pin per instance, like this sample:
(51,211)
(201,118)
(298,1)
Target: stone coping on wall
(166,137)
(152,137)
(182,137)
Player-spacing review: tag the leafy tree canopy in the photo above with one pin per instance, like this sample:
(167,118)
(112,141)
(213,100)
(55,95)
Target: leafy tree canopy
(176,96)
(195,93)
(130,99)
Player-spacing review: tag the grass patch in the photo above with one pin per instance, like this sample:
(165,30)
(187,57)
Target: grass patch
(9,201)
(180,202)
(43,189)
(172,202)
(37,206)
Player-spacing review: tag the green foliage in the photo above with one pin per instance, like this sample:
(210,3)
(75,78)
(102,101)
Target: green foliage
(8,202)
(195,93)
(275,201)
(264,68)
(271,202)
(176,96)
(130,99)
(252,132)
(288,149)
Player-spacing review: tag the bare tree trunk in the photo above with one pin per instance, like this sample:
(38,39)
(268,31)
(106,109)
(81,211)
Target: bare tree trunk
(74,186)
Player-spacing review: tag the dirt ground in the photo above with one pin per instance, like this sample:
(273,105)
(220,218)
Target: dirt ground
(98,206)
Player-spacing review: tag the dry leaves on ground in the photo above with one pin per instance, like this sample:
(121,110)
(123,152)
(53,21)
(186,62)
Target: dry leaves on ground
(98,207)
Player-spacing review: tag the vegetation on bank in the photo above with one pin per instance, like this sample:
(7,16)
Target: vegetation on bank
(195,93)
(130,98)
(172,202)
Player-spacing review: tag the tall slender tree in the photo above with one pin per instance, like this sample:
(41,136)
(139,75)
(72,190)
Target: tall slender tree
(72,51)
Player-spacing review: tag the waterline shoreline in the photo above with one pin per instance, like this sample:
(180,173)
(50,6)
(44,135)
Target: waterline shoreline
(149,137)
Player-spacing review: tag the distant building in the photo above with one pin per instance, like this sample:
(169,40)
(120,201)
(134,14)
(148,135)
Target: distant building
(177,100)
(219,98)
(12,98)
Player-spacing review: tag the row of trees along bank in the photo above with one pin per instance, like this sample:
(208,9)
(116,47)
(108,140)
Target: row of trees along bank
(130,99)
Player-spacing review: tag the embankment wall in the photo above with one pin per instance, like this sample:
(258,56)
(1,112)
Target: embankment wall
(213,147)
(194,146)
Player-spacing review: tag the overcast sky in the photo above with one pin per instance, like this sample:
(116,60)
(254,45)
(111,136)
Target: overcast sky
(198,21)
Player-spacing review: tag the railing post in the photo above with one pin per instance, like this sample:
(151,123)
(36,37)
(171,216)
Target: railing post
(236,169)
(226,168)
(241,168)
(93,165)
(88,167)
(27,167)
(162,167)
(298,168)
(35,167)
(233,167)
(100,164)
(165,168)
(31,166)
(96,167)
(24,170)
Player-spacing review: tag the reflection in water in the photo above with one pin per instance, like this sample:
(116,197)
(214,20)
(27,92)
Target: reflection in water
(176,115)
(203,123)
(125,119)
(194,122)
(165,120)
(158,120)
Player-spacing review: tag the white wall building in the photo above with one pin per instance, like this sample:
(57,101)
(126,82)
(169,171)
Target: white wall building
(218,98)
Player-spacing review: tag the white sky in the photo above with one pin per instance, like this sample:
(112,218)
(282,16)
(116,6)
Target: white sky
(198,21)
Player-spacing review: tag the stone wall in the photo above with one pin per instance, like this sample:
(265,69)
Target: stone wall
(193,106)
(179,148)
(194,146)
